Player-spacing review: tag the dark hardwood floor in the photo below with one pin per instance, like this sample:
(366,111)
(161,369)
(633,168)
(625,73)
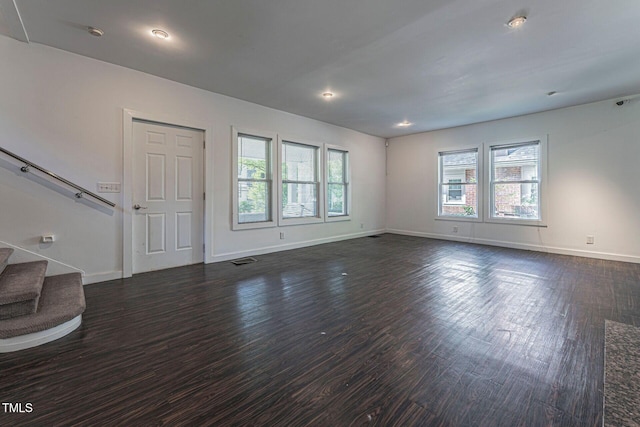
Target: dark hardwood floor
(419,332)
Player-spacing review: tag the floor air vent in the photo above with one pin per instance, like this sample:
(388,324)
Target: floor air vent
(243,261)
(375,236)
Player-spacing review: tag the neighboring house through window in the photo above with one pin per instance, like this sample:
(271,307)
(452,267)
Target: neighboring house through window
(515,181)
(455,191)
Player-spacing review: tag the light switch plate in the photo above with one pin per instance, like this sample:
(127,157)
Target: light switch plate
(108,187)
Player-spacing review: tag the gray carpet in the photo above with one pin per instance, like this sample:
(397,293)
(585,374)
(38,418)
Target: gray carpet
(5,253)
(621,375)
(20,288)
(61,300)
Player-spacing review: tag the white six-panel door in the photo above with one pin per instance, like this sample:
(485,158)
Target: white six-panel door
(167,196)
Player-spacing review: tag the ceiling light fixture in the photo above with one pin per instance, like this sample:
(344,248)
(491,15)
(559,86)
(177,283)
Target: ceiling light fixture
(517,22)
(160,34)
(553,92)
(95,31)
(328,95)
(404,124)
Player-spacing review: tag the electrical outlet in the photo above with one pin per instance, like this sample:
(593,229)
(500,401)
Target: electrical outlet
(282,235)
(590,240)
(455,229)
(361,225)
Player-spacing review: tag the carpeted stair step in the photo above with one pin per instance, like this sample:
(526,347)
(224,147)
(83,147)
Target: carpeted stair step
(20,287)
(62,299)
(5,253)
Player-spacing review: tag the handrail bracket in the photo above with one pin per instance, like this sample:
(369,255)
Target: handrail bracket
(81,191)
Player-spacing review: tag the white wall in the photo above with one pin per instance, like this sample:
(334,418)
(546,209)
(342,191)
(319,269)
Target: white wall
(593,181)
(65,112)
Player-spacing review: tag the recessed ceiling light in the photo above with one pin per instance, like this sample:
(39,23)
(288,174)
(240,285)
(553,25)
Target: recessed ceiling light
(404,124)
(160,34)
(517,21)
(95,31)
(328,95)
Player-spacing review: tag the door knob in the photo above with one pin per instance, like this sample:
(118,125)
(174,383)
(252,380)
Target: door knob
(138,207)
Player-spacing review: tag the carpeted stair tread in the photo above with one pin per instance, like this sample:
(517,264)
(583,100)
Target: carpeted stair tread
(61,300)
(20,287)
(5,253)
(21,282)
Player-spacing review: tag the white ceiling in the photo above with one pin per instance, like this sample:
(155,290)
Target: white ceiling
(435,63)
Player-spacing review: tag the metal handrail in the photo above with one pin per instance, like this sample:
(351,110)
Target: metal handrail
(81,190)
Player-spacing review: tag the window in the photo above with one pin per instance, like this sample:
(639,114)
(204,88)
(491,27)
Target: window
(458,184)
(300,202)
(253,198)
(515,181)
(337,184)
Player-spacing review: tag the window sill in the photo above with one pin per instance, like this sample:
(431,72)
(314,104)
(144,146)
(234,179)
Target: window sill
(252,225)
(283,222)
(338,218)
(517,221)
(458,218)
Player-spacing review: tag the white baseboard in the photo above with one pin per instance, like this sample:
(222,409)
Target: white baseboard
(117,274)
(101,277)
(54,267)
(22,342)
(524,246)
(285,247)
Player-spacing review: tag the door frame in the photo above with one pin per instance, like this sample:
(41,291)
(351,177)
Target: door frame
(128,117)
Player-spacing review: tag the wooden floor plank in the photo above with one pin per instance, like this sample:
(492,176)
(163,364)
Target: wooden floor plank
(418,332)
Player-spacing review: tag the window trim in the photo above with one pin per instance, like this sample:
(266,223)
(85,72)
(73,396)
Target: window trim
(282,222)
(542,183)
(479,185)
(346,183)
(235,133)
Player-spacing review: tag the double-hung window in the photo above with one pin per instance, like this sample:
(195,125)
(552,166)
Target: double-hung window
(253,198)
(300,197)
(458,184)
(515,181)
(338,190)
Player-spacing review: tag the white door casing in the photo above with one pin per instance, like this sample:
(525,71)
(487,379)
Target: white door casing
(168,188)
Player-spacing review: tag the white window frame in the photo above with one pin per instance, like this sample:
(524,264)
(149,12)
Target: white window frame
(346,183)
(235,133)
(479,185)
(541,179)
(320,192)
